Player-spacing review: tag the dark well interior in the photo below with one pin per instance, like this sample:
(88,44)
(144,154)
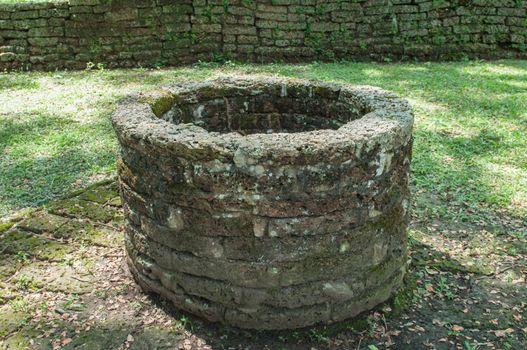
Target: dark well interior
(264,112)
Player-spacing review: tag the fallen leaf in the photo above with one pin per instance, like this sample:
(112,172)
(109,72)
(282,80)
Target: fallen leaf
(437,322)
(457,328)
(419,329)
(502,332)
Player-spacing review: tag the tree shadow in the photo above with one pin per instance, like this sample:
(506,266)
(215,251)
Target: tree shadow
(452,166)
(18,81)
(19,128)
(39,175)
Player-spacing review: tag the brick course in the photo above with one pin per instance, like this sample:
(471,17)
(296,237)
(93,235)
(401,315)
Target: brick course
(161,32)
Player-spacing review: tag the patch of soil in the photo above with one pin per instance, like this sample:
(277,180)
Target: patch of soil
(65,285)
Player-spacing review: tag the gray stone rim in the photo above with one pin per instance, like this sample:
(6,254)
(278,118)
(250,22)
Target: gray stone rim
(387,124)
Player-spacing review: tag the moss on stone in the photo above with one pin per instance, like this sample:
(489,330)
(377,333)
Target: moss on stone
(106,238)
(99,195)
(115,202)
(7,292)
(27,336)
(4,226)
(357,324)
(404,296)
(82,209)
(156,338)
(159,100)
(54,277)
(454,266)
(74,229)
(8,266)
(11,319)
(87,232)
(42,221)
(178,187)
(26,339)
(21,244)
(100,338)
(105,182)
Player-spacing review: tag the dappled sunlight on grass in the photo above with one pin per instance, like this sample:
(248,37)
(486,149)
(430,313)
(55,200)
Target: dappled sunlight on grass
(45,154)
(470,128)
(17,81)
(508,70)
(373,73)
(470,255)
(508,178)
(421,104)
(518,84)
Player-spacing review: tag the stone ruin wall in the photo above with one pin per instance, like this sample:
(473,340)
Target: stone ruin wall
(134,33)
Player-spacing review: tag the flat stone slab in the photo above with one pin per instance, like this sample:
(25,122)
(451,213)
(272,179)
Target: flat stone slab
(42,222)
(55,277)
(26,245)
(11,319)
(77,208)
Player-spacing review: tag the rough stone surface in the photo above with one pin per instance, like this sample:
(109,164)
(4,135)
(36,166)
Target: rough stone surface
(266,203)
(151,33)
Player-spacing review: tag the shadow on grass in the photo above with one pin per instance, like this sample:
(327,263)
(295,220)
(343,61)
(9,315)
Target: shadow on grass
(449,165)
(484,100)
(16,81)
(50,160)
(21,129)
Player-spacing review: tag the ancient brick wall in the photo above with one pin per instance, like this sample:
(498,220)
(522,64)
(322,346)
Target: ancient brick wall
(159,32)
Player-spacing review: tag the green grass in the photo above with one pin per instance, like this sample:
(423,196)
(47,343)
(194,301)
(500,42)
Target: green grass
(470,128)
(26,1)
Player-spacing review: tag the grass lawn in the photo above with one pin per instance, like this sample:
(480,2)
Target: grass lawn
(63,283)
(26,1)
(470,144)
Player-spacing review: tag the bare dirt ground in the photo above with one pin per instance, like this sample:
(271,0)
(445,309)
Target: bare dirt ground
(64,284)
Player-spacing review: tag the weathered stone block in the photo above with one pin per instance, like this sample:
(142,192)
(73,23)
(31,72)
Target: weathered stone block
(7,57)
(25,14)
(46,32)
(122,14)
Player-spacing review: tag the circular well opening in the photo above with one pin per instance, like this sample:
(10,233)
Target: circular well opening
(278,108)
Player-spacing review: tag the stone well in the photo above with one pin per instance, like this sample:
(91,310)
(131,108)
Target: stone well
(266,203)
